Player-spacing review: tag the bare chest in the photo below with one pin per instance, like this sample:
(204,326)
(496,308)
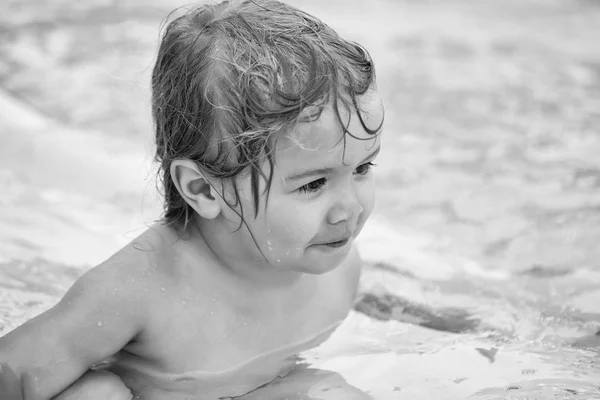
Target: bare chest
(205,333)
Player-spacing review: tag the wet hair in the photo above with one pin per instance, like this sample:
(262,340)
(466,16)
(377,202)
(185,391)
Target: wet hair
(230,76)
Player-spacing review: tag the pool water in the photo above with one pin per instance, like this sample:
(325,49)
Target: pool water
(463,334)
(482,273)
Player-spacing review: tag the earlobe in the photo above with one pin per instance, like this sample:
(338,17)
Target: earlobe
(195,188)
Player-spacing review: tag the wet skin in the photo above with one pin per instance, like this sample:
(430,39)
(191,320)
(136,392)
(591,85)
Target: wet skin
(216,296)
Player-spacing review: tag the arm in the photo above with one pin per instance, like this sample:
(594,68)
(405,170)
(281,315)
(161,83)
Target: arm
(97,317)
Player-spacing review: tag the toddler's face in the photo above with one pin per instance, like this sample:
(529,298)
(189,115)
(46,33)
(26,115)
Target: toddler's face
(321,195)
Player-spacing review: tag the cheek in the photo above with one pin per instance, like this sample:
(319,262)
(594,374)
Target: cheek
(292,224)
(367,198)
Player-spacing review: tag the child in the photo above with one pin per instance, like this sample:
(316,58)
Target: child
(267,125)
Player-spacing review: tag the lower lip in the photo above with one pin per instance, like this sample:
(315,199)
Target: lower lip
(335,245)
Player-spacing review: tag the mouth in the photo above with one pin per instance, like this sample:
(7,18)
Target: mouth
(338,243)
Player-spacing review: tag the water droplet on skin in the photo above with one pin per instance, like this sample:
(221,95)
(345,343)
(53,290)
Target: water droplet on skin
(162,289)
(183,302)
(99,323)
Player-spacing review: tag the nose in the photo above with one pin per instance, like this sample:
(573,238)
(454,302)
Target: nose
(347,207)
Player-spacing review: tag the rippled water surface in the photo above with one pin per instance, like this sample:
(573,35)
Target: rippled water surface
(482,271)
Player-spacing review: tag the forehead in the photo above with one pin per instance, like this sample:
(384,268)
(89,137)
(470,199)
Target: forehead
(324,138)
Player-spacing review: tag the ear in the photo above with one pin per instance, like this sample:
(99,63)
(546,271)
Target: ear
(195,189)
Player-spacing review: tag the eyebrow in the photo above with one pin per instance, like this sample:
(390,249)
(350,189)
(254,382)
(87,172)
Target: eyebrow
(324,171)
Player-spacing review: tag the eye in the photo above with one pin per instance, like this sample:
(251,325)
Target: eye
(313,186)
(365,168)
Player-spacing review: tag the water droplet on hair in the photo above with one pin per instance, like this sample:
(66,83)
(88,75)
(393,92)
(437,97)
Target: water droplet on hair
(162,289)
(183,302)
(100,323)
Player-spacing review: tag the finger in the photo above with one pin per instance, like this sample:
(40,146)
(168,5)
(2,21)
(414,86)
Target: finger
(10,385)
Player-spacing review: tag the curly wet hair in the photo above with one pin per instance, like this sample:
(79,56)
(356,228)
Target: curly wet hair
(230,77)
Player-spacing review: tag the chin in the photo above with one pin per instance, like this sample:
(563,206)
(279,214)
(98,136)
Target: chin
(318,270)
(323,264)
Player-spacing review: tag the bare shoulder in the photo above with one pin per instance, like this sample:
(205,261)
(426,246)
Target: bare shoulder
(108,307)
(123,290)
(114,292)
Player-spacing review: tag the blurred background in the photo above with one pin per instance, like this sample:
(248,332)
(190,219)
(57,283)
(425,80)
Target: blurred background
(490,165)
(491,140)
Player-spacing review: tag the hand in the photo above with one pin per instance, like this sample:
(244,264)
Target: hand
(11,387)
